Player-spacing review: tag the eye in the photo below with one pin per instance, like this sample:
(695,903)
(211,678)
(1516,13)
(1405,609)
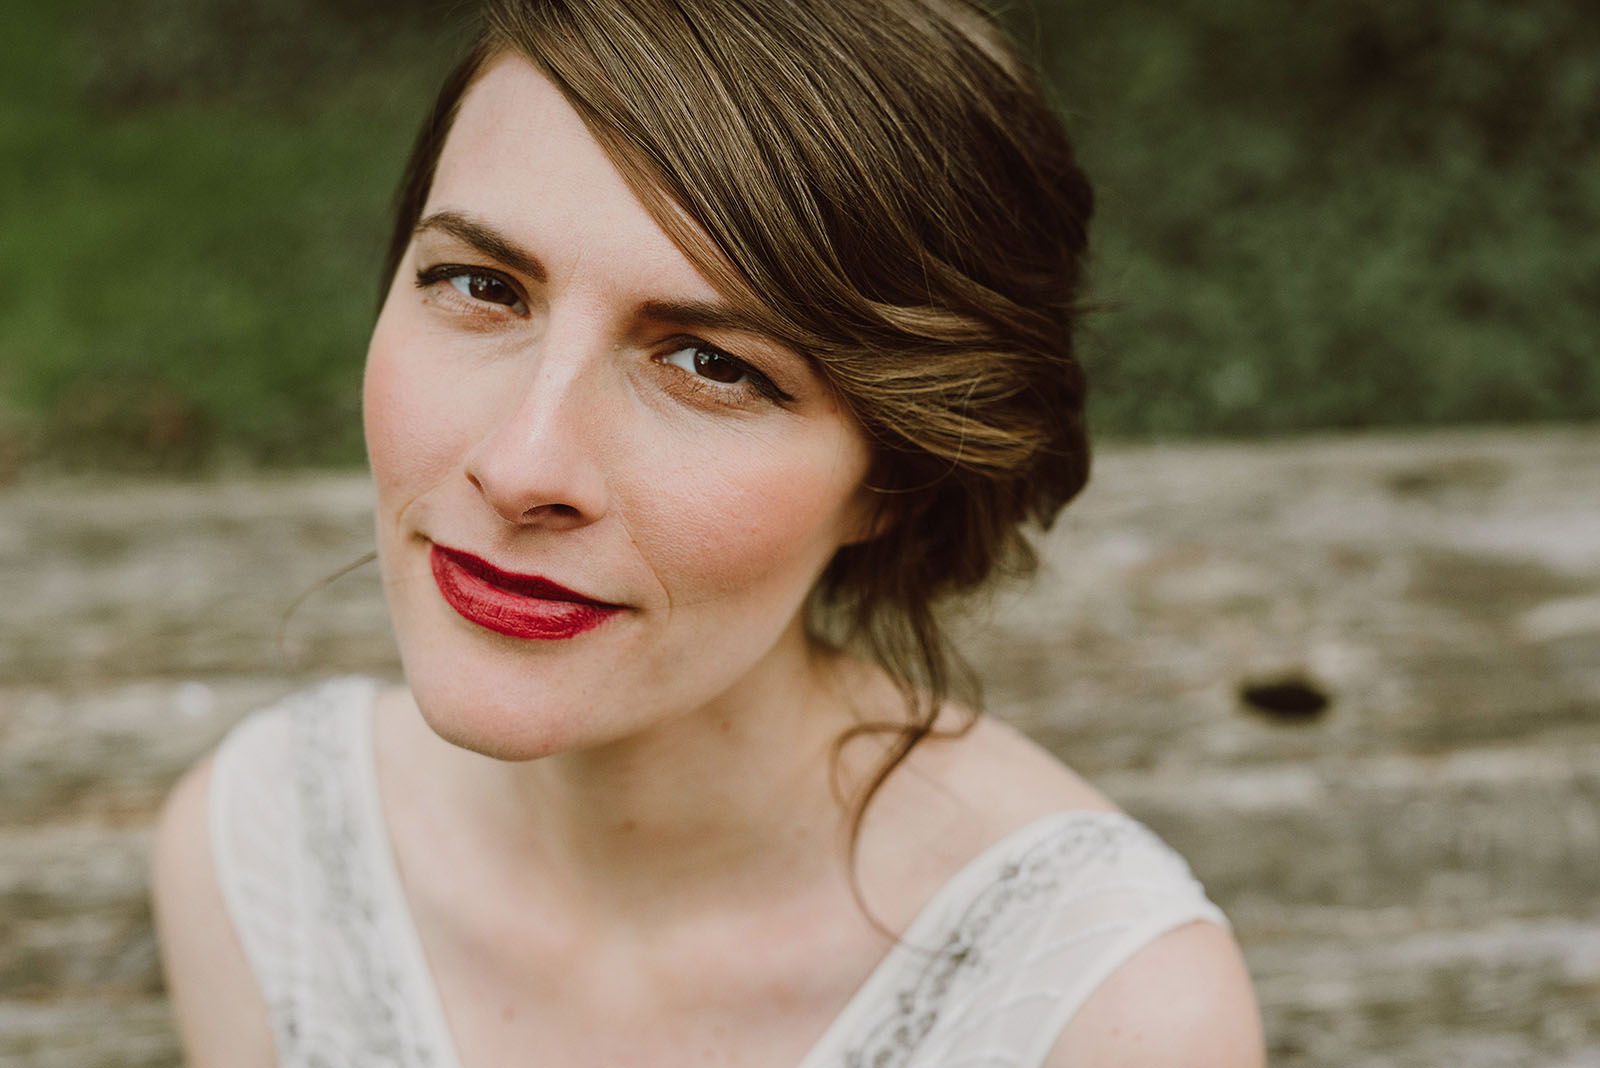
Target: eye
(709,364)
(484,287)
(476,285)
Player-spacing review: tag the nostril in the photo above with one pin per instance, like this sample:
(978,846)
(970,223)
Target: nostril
(551,511)
(1290,699)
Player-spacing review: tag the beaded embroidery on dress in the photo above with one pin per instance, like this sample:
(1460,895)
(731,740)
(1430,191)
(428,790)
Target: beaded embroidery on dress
(989,973)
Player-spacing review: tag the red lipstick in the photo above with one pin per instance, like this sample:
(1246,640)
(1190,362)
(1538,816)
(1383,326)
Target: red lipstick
(519,606)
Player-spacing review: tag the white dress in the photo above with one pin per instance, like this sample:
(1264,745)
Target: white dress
(987,975)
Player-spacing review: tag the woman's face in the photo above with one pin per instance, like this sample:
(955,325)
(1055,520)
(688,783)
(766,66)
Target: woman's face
(601,497)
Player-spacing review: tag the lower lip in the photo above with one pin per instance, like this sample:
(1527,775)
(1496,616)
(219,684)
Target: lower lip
(515,615)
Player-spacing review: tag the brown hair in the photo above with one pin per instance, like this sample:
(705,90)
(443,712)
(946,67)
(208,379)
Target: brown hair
(883,184)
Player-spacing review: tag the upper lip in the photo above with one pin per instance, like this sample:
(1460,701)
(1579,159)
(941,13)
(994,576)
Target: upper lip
(536,586)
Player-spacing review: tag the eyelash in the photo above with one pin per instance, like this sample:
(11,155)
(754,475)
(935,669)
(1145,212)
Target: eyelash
(756,382)
(430,277)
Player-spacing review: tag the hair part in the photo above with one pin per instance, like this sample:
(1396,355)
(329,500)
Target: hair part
(885,188)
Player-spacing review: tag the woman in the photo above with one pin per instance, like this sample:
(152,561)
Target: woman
(722,339)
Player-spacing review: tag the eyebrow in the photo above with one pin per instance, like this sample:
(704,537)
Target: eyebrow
(701,314)
(486,239)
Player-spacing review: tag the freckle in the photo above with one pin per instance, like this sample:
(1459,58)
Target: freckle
(627,827)
(508,1013)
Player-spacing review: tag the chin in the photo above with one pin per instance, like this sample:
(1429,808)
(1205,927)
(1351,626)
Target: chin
(478,716)
(487,694)
(512,744)
(502,698)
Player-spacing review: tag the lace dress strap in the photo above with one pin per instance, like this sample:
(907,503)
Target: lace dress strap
(994,968)
(308,876)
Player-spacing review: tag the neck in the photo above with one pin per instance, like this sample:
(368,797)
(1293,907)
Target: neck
(719,808)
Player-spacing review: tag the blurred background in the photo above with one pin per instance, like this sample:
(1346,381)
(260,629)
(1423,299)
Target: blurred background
(1320,214)
(1328,617)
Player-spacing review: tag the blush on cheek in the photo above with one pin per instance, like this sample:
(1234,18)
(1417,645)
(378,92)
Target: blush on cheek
(723,537)
(410,441)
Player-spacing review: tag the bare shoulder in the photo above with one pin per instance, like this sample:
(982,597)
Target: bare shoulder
(1001,772)
(219,1010)
(1184,999)
(955,796)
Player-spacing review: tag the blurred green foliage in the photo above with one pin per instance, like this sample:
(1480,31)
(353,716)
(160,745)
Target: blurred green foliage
(1338,213)
(1312,214)
(192,203)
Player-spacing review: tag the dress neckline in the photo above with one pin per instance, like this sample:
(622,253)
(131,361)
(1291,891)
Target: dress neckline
(920,937)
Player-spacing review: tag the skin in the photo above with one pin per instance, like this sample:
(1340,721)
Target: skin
(550,428)
(625,847)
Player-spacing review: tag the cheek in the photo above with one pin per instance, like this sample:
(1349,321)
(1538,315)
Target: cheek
(411,440)
(744,526)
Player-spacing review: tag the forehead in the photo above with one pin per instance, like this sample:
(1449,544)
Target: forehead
(520,159)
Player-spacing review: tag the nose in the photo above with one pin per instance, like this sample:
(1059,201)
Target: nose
(541,463)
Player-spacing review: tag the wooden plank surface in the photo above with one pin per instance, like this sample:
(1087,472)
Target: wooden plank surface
(1411,870)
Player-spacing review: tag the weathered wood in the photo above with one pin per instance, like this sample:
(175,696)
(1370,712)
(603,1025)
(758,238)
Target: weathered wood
(108,581)
(1474,838)
(110,752)
(76,916)
(1441,590)
(87,1033)
(1411,871)
(1507,995)
(1462,838)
